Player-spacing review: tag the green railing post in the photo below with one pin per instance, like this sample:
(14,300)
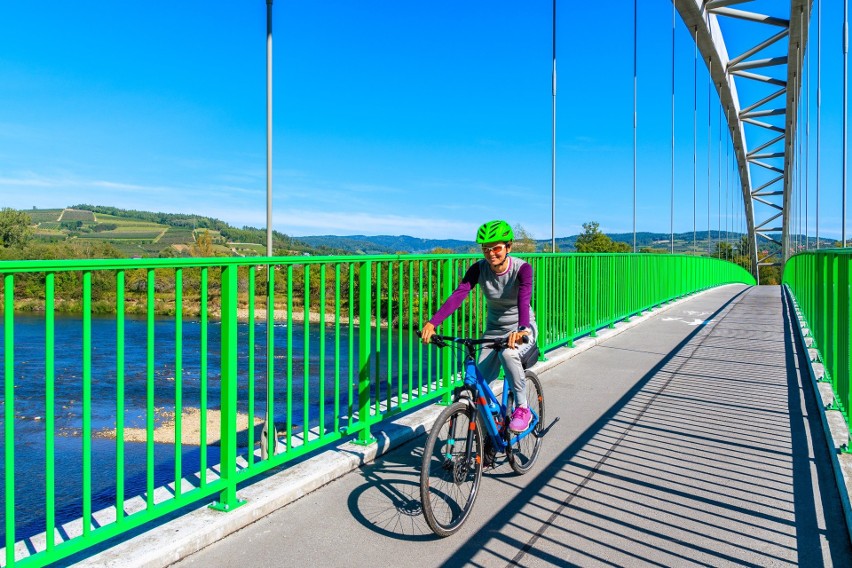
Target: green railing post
(119,390)
(365,331)
(228,500)
(447,286)
(271,440)
(9,412)
(542,302)
(50,415)
(571,299)
(87,403)
(595,285)
(613,282)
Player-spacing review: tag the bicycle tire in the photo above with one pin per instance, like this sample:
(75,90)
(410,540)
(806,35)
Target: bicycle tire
(525,451)
(449,482)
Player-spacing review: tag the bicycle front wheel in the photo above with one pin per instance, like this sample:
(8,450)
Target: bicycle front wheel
(452,469)
(525,451)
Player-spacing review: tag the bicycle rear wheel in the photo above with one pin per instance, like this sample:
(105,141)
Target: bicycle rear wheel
(452,469)
(525,451)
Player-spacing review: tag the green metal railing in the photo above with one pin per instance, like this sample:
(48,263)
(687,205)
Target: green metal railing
(323,347)
(819,282)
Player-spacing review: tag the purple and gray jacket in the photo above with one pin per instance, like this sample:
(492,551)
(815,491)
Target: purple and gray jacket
(507,296)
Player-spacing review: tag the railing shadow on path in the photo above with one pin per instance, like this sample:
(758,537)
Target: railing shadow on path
(705,460)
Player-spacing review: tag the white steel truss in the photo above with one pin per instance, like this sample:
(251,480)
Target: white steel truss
(763,132)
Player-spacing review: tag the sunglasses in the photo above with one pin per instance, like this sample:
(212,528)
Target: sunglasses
(496,249)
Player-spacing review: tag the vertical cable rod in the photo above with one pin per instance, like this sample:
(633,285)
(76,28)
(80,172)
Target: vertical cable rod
(819,115)
(798,149)
(800,142)
(671,212)
(807,151)
(719,179)
(635,117)
(727,188)
(553,144)
(710,146)
(845,111)
(695,141)
(709,239)
(269,127)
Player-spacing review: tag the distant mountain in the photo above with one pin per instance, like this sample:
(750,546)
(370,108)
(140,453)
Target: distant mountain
(385,244)
(389,244)
(146,233)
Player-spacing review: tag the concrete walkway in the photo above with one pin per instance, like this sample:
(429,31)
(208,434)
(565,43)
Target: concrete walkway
(690,439)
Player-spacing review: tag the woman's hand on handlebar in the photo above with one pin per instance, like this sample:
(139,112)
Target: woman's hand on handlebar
(426,333)
(516,338)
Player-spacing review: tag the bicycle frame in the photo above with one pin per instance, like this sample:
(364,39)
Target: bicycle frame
(492,412)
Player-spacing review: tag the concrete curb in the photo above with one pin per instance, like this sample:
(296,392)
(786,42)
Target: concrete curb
(176,539)
(833,423)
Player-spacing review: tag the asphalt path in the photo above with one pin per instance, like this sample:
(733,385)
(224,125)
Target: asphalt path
(692,439)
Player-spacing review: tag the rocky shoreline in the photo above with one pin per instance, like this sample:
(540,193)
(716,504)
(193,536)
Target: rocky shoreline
(164,429)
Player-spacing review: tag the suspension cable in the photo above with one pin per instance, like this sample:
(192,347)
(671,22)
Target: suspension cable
(807,150)
(727,188)
(635,34)
(719,160)
(671,214)
(553,143)
(819,109)
(709,146)
(741,225)
(695,138)
(695,141)
(798,102)
(845,111)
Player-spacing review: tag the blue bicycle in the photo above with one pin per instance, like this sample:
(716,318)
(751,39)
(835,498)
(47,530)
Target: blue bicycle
(469,435)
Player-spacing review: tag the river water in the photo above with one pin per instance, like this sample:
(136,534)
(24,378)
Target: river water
(30,408)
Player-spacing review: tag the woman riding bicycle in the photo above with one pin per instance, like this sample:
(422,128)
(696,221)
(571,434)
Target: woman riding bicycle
(506,282)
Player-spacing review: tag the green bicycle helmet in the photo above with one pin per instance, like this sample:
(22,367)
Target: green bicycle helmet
(494,231)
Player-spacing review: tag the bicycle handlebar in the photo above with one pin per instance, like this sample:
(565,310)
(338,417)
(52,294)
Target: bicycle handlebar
(499,343)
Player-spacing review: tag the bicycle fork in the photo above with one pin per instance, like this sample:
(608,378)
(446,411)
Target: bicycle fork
(462,466)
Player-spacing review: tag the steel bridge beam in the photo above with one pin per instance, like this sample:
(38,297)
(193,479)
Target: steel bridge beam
(702,17)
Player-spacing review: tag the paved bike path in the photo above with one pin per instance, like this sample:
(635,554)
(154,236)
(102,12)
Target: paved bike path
(684,440)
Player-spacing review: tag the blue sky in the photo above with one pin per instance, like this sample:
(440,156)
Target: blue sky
(419,118)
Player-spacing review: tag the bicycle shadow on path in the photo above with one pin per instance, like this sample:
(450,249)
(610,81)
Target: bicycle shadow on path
(388,502)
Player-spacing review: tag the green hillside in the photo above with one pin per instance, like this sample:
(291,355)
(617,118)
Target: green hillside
(110,231)
(131,233)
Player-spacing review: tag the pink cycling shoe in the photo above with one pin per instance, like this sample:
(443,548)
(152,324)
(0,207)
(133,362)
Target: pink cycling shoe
(521,419)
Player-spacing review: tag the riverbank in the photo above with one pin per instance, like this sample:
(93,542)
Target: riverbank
(164,308)
(191,311)
(165,428)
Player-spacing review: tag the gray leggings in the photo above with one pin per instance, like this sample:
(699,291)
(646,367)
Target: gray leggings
(490,362)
